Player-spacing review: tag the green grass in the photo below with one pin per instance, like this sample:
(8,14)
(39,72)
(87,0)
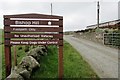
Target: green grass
(0,61)
(74,65)
(1,35)
(49,65)
(2,65)
(3,62)
(1,38)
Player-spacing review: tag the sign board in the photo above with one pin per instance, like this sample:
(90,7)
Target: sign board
(30,29)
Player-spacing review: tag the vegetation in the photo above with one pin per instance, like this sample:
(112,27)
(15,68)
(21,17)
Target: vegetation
(0,61)
(49,65)
(74,65)
(1,53)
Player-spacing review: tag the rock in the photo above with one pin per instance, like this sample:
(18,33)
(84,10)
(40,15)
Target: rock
(26,74)
(34,54)
(29,63)
(37,52)
(23,71)
(42,50)
(14,76)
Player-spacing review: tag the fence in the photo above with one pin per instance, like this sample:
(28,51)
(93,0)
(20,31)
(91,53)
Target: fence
(112,39)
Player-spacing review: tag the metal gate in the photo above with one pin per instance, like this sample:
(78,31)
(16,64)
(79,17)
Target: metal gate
(112,39)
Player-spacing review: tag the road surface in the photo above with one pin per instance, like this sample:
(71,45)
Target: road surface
(103,60)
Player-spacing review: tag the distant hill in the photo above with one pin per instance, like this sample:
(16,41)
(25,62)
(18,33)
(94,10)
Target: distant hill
(68,32)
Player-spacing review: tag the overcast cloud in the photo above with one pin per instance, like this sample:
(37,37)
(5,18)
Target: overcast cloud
(77,15)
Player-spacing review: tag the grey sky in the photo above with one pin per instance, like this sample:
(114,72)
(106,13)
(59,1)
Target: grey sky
(77,15)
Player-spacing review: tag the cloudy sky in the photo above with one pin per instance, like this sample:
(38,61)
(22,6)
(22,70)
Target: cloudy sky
(77,15)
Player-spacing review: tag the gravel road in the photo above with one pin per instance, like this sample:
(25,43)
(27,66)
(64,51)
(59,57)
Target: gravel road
(103,60)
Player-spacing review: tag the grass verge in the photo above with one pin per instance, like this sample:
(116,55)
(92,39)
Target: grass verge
(74,65)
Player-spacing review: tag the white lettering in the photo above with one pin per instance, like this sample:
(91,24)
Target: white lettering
(35,22)
(22,42)
(47,36)
(19,29)
(16,35)
(52,42)
(12,42)
(32,42)
(22,22)
(32,29)
(35,36)
(41,42)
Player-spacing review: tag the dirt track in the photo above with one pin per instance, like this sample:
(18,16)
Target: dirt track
(103,60)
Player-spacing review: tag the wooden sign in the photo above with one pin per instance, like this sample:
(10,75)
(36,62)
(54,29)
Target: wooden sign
(24,29)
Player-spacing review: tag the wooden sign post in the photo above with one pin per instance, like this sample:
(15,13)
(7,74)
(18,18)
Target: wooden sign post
(33,29)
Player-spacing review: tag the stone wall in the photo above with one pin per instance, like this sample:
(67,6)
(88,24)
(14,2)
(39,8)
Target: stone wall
(92,36)
(31,61)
